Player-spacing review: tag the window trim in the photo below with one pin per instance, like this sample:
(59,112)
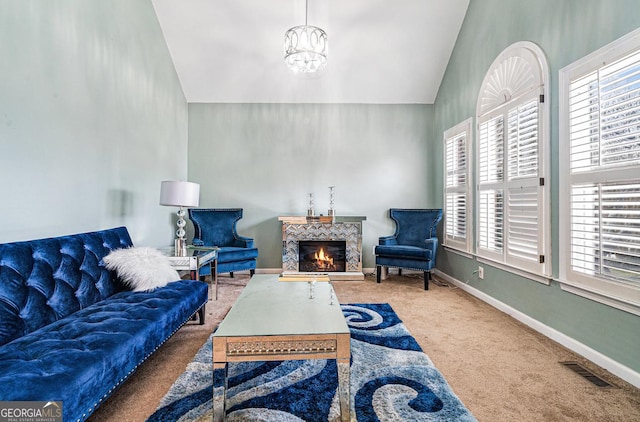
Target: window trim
(619,295)
(465,127)
(492,103)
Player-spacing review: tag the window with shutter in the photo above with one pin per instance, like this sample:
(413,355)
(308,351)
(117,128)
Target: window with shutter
(523,186)
(490,187)
(600,174)
(457,212)
(512,162)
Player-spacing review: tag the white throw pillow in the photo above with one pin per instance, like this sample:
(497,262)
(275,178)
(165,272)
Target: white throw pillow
(142,269)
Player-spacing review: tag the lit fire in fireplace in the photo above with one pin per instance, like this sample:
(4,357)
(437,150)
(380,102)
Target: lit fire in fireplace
(323,261)
(321,255)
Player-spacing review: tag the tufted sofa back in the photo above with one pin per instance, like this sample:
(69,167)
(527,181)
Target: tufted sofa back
(42,281)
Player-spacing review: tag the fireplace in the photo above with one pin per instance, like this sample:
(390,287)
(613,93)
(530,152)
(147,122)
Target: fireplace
(322,255)
(296,230)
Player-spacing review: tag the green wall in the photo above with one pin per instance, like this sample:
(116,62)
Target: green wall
(566,30)
(267,158)
(92,118)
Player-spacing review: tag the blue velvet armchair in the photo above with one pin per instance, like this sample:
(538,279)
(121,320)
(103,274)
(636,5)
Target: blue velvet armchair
(414,243)
(217,227)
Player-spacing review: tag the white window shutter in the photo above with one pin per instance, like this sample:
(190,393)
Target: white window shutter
(524,197)
(599,162)
(457,218)
(604,162)
(512,155)
(490,188)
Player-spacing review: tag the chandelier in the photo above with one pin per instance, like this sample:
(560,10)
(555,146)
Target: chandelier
(305,47)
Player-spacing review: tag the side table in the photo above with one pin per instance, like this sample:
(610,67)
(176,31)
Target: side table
(197,258)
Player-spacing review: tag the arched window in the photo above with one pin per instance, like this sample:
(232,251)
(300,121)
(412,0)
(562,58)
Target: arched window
(512,144)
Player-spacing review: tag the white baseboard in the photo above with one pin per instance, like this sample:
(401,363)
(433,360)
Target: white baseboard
(616,368)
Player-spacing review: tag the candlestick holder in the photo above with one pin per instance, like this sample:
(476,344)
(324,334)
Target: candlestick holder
(310,210)
(332,211)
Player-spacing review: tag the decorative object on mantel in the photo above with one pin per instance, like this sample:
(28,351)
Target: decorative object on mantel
(310,210)
(304,219)
(183,195)
(332,211)
(305,47)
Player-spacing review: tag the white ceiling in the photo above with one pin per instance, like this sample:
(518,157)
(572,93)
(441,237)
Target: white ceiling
(380,51)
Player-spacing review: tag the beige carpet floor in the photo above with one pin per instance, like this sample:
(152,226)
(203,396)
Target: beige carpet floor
(499,368)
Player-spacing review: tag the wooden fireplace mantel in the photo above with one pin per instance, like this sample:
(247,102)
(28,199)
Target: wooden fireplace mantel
(347,228)
(324,219)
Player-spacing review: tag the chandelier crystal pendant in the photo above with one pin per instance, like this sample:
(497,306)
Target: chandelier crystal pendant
(305,47)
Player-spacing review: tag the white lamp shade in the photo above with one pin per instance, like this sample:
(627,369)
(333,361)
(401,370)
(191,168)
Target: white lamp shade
(179,193)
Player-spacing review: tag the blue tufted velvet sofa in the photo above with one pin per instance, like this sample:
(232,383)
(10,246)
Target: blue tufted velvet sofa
(69,330)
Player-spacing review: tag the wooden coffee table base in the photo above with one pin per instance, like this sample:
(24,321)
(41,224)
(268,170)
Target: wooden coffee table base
(282,347)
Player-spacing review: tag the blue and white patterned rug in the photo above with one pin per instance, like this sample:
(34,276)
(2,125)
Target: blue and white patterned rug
(391,380)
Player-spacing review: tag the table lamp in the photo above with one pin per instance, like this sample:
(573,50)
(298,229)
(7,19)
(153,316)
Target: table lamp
(180,194)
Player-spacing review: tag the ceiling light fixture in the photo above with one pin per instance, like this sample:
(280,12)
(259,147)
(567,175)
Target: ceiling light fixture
(305,47)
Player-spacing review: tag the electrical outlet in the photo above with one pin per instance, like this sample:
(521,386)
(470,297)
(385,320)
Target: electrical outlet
(481,273)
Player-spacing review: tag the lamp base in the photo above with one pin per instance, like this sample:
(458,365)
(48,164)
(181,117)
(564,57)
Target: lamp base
(180,248)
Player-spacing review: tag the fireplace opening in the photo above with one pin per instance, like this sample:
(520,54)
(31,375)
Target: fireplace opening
(322,255)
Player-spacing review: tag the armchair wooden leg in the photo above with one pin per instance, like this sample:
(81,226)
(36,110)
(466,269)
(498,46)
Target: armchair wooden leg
(378,273)
(252,272)
(427,277)
(399,271)
(231,274)
(201,314)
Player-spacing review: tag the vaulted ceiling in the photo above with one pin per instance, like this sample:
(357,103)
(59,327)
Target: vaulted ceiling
(380,51)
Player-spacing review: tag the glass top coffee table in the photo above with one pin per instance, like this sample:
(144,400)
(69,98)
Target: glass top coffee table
(277,320)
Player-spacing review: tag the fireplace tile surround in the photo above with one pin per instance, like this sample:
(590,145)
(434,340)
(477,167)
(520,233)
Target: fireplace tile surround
(347,228)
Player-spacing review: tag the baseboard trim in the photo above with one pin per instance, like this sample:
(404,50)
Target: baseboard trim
(616,368)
